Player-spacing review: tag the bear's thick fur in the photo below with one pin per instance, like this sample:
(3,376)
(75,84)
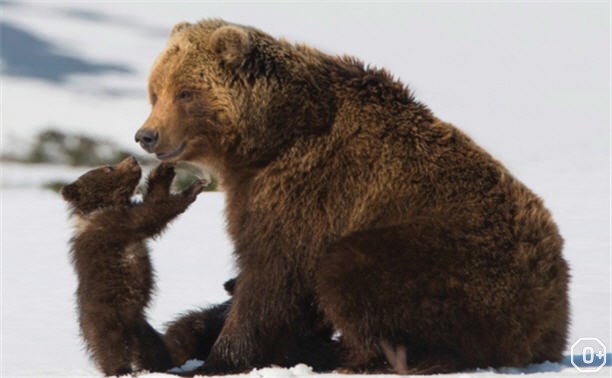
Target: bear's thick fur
(349,201)
(112,262)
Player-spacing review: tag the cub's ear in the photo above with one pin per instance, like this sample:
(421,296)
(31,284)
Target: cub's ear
(232,44)
(70,193)
(180,27)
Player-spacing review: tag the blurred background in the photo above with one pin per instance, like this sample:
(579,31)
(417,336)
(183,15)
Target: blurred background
(530,82)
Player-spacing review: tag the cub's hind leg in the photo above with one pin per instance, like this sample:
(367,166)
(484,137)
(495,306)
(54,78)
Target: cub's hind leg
(110,344)
(193,334)
(150,351)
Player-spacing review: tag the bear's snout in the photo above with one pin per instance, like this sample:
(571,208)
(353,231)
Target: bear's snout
(147,139)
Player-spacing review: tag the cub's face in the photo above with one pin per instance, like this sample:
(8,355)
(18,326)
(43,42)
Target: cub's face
(103,187)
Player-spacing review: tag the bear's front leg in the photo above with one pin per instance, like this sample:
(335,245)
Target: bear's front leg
(258,324)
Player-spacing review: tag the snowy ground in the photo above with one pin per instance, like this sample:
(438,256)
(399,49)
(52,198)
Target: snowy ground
(39,332)
(530,82)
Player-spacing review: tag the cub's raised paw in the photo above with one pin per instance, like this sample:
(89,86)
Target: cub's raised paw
(159,181)
(196,188)
(163,172)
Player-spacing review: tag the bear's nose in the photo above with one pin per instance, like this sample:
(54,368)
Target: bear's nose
(147,139)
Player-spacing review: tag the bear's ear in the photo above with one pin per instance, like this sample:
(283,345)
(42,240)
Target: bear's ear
(232,44)
(70,193)
(180,27)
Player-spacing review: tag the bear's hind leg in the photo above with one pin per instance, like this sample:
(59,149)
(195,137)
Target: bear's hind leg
(551,343)
(380,287)
(192,335)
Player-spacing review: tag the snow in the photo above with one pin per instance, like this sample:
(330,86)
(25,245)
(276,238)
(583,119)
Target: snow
(18,175)
(39,330)
(529,82)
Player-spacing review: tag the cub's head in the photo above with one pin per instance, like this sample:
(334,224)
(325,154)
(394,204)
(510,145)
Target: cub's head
(226,96)
(103,187)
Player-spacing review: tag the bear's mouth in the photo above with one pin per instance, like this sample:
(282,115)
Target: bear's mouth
(171,154)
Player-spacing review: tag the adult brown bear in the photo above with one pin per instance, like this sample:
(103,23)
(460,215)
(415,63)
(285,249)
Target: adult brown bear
(348,199)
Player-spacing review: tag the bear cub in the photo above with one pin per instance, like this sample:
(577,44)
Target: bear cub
(110,257)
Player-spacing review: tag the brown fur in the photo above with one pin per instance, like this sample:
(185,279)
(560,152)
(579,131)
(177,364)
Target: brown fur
(112,262)
(347,197)
(193,335)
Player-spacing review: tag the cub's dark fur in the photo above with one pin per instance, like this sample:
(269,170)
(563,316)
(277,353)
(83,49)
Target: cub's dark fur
(193,334)
(112,262)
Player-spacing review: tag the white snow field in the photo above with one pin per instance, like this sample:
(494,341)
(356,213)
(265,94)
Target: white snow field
(530,82)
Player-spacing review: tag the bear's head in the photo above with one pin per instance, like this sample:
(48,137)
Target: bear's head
(228,97)
(103,187)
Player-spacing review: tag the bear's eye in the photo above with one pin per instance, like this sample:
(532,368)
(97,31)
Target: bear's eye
(153,98)
(184,95)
